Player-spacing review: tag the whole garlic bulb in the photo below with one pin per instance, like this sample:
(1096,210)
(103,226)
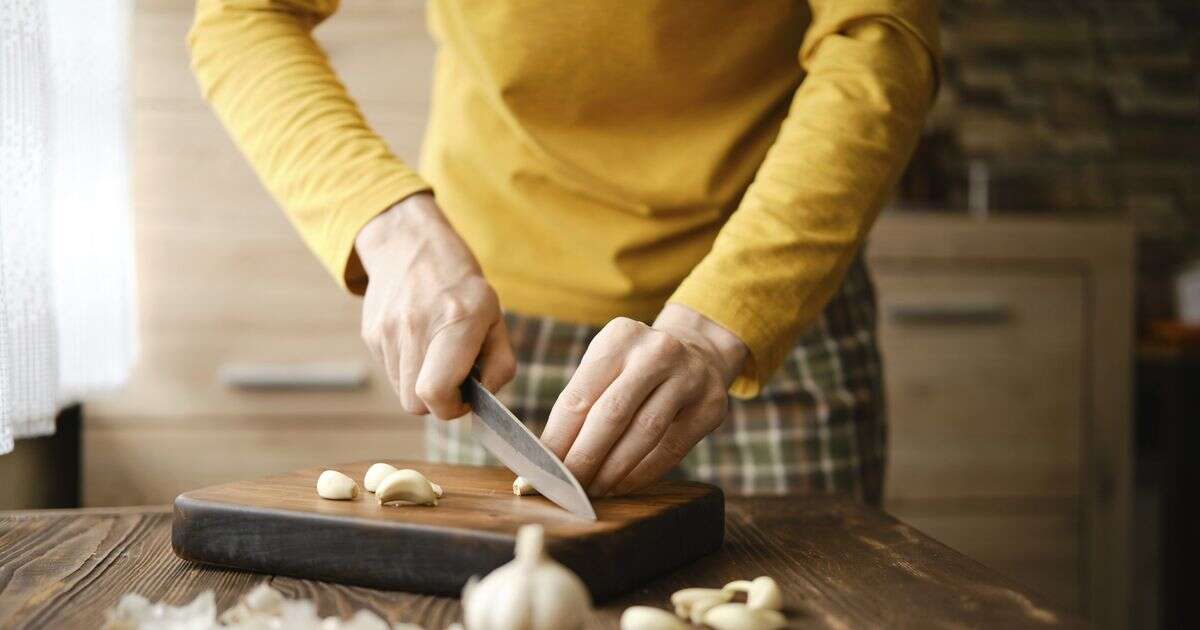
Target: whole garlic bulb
(533,592)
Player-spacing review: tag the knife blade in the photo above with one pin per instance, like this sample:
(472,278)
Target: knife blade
(506,437)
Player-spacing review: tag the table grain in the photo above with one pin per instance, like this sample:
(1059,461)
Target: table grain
(839,563)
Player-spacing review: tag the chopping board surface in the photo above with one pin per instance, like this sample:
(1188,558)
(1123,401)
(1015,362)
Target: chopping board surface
(279,525)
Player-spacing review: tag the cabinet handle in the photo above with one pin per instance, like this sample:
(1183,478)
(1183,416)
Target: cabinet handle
(293,376)
(949,312)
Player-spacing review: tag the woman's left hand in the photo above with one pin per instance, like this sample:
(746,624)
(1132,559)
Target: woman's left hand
(642,398)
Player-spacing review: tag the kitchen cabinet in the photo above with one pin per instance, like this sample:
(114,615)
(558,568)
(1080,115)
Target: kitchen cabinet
(1006,342)
(1006,346)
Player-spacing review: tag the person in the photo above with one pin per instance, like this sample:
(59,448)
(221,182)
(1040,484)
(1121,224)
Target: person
(649,213)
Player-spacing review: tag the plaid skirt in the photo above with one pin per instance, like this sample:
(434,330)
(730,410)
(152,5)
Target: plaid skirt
(816,427)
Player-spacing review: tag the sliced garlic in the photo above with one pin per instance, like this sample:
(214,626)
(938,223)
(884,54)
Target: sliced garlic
(337,486)
(648,618)
(522,487)
(743,617)
(375,474)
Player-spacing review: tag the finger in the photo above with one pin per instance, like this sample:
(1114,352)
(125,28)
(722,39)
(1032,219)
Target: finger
(608,418)
(572,406)
(448,359)
(497,365)
(597,369)
(411,353)
(648,426)
(672,447)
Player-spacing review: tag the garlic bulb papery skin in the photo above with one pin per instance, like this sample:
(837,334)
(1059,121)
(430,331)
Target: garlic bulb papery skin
(532,592)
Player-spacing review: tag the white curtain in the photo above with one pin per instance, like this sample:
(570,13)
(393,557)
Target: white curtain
(67,317)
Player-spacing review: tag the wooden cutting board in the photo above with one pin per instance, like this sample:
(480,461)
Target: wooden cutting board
(279,525)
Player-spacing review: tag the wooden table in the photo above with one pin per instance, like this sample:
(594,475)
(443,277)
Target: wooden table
(841,565)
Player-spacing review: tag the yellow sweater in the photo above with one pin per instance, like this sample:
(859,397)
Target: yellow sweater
(604,158)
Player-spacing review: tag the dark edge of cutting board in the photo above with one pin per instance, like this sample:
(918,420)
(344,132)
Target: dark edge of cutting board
(435,560)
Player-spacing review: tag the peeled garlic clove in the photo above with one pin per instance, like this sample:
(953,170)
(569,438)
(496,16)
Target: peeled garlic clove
(406,485)
(375,474)
(702,606)
(686,601)
(743,617)
(337,486)
(521,487)
(648,618)
(764,593)
(738,586)
(437,490)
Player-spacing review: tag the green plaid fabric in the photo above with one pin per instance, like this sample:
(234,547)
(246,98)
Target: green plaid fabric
(816,427)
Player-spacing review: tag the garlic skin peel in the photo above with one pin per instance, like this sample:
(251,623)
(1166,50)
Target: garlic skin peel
(532,592)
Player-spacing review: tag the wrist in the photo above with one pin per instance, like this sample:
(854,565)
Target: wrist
(414,216)
(723,348)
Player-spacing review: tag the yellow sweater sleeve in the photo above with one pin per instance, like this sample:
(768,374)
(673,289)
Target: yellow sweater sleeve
(853,123)
(273,88)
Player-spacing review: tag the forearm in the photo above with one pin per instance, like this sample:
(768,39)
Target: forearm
(273,88)
(853,124)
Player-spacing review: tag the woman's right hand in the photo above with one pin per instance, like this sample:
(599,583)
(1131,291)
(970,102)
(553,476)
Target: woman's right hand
(428,313)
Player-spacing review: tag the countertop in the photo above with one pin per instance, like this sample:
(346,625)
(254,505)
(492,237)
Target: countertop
(840,564)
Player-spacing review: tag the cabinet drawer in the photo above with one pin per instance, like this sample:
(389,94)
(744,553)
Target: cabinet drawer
(984,377)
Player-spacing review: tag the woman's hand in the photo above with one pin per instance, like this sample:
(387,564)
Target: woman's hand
(642,398)
(428,313)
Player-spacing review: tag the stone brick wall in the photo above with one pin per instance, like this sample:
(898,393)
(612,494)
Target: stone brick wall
(1073,107)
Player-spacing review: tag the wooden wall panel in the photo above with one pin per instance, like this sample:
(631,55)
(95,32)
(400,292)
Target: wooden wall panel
(223,278)
(141,462)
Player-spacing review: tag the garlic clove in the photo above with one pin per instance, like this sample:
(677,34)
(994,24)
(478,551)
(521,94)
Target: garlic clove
(375,474)
(686,601)
(764,593)
(437,490)
(337,486)
(742,617)
(702,606)
(406,485)
(649,618)
(522,487)
(738,586)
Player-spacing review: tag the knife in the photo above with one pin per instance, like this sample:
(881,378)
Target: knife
(499,431)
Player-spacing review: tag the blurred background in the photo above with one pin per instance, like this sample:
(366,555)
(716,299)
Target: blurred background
(1034,272)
